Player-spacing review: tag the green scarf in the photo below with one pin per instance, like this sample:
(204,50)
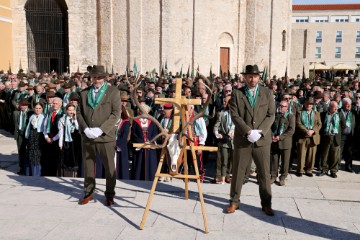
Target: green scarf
(49,120)
(309,124)
(348,118)
(94,102)
(278,130)
(332,127)
(251,98)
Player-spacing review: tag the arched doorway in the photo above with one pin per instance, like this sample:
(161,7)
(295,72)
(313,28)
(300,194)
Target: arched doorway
(47,35)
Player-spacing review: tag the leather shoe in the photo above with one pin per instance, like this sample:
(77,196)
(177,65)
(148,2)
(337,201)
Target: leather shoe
(299,174)
(268,211)
(282,182)
(309,174)
(85,200)
(232,207)
(228,179)
(322,173)
(109,201)
(333,175)
(349,169)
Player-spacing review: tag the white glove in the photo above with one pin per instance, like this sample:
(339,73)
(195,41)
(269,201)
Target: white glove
(118,149)
(89,133)
(97,132)
(254,136)
(218,135)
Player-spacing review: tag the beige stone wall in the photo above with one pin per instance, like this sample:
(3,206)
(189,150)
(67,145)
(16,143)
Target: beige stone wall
(82,34)
(183,33)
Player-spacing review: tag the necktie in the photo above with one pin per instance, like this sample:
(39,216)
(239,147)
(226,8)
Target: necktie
(53,115)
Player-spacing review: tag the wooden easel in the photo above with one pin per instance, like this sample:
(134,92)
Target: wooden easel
(180,106)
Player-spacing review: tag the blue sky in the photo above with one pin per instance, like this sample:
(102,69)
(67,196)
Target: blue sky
(324,1)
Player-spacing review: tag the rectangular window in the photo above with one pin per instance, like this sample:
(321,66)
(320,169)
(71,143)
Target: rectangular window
(357,52)
(338,36)
(300,19)
(338,52)
(319,19)
(318,36)
(339,19)
(318,52)
(357,36)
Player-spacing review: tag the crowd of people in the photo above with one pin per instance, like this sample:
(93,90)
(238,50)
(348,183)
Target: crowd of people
(316,122)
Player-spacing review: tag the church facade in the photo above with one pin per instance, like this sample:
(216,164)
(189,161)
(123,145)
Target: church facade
(67,34)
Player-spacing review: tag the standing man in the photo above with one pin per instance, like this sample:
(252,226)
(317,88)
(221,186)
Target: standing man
(21,119)
(98,111)
(282,129)
(330,141)
(252,111)
(308,124)
(347,137)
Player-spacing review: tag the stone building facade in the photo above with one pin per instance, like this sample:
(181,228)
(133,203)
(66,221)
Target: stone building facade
(115,33)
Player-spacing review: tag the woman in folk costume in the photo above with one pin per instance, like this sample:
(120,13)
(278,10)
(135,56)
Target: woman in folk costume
(199,135)
(145,160)
(35,139)
(70,141)
(122,153)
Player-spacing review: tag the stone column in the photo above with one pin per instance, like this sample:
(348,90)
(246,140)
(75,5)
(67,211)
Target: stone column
(19,35)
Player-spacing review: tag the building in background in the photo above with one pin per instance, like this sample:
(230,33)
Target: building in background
(328,34)
(61,35)
(6,39)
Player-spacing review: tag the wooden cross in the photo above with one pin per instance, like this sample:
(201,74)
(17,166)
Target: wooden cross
(180,112)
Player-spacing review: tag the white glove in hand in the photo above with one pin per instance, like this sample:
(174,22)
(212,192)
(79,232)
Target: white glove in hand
(97,132)
(89,133)
(254,136)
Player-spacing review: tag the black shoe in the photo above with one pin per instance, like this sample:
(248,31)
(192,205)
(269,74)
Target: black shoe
(349,169)
(309,174)
(333,175)
(322,173)
(299,174)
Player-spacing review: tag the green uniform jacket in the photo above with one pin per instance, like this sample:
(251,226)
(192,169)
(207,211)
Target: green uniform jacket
(246,118)
(104,116)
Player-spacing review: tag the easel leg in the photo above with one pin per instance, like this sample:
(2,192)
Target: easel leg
(186,172)
(199,188)
(152,191)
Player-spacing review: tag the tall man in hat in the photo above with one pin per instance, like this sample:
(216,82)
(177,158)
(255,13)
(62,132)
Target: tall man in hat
(99,109)
(252,111)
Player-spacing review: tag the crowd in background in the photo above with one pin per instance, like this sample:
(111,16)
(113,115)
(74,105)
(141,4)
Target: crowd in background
(316,126)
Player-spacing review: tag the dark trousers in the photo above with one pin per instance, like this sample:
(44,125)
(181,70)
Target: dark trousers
(21,145)
(241,159)
(346,150)
(278,154)
(106,152)
(330,154)
(51,165)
